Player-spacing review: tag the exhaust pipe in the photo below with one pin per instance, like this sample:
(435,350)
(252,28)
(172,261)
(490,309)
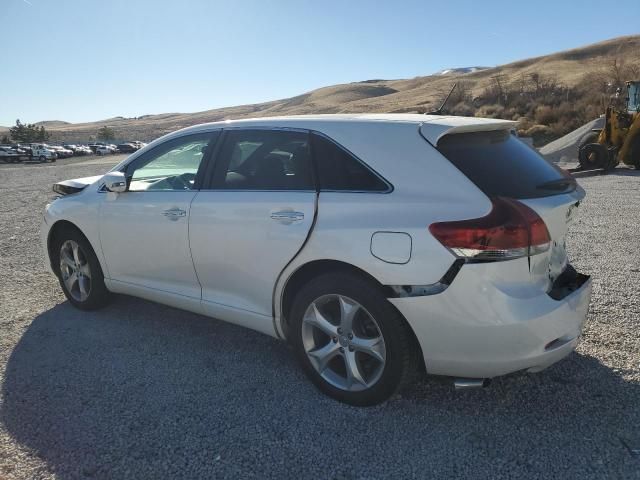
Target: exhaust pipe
(469,383)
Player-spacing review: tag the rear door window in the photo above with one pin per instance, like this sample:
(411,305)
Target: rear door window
(501,165)
(264,160)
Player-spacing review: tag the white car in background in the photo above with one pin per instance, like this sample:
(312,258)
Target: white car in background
(104,150)
(377,245)
(61,151)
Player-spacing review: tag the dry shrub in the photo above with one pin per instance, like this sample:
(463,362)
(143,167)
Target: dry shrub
(545,115)
(540,134)
(463,109)
(492,111)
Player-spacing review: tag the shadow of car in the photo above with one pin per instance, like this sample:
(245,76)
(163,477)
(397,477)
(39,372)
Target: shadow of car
(143,390)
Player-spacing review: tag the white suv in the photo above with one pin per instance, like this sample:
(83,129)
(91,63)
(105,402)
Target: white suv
(376,245)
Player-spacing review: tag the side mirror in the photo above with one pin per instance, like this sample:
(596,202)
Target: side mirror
(115,182)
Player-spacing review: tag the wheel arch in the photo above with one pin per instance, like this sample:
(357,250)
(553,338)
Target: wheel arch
(314,268)
(57,229)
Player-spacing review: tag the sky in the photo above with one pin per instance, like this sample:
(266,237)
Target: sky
(86,60)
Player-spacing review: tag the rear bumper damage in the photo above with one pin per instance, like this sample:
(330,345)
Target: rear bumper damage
(486,323)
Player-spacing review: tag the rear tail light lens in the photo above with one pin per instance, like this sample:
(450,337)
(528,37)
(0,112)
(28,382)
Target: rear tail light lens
(510,230)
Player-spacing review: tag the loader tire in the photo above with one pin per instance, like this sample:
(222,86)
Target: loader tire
(591,154)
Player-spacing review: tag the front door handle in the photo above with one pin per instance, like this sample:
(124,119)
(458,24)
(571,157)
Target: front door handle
(287,216)
(174,213)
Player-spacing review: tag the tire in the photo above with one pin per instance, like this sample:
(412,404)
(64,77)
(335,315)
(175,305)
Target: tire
(591,137)
(42,159)
(393,356)
(591,154)
(87,291)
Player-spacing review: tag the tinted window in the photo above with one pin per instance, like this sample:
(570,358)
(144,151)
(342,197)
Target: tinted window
(339,170)
(264,160)
(170,166)
(501,165)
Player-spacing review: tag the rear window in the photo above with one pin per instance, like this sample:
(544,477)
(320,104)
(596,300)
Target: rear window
(501,165)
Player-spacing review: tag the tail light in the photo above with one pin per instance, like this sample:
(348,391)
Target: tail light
(510,230)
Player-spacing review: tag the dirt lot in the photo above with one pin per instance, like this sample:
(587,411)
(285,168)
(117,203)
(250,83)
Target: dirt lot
(140,390)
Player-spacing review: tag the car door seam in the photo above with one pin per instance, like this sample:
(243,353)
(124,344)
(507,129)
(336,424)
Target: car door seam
(193,263)
(106,263)
(277,282)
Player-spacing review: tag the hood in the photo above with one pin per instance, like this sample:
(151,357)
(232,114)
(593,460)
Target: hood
(74,185)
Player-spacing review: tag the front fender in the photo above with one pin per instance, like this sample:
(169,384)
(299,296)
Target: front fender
(81,210)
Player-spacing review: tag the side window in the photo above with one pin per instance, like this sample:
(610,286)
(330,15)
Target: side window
(264,160)
(339,170)
(170,166)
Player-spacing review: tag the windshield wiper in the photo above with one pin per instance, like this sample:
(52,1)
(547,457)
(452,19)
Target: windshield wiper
(559,184)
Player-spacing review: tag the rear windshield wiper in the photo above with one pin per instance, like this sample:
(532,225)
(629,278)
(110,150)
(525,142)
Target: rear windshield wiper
(559,184)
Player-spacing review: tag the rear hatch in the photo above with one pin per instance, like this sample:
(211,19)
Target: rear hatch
(503,166)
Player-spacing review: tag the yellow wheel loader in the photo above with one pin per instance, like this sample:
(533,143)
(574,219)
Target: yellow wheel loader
(619,140)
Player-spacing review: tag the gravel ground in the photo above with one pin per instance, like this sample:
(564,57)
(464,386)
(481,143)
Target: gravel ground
(139,390)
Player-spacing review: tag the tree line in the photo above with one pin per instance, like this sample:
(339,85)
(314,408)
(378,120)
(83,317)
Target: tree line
(32,133)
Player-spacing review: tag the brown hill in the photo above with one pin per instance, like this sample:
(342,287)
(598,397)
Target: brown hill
(569,70)
(52,124)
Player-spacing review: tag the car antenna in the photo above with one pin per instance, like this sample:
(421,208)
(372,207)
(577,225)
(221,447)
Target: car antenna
(439,110)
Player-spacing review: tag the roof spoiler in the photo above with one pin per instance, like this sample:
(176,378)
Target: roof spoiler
(434,129)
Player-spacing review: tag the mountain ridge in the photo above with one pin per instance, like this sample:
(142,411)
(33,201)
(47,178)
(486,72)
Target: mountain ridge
(418,94)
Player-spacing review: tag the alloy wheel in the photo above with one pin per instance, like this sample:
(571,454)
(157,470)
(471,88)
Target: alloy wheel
(343,342)
(75,270)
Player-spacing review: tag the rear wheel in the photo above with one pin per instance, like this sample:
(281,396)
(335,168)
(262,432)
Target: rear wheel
(79,271)
(591,154)
(351,342)
(42,159)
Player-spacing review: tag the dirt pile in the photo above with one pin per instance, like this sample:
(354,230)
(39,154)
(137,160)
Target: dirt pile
(565,149)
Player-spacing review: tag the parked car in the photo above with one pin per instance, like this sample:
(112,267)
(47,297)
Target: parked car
(9,154)
(104,150)
(23,147)
(377,245)
(94,146)
(83,150)
(61,151)
(127,148)
(43,153)
(70,146)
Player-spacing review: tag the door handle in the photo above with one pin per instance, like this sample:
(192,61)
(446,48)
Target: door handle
(174,213)
(287,216)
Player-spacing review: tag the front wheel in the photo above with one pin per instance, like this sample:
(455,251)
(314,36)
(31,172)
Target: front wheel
(42,159)
(351,342)
(79,271)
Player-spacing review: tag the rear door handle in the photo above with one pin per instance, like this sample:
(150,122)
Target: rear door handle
(174,213)
(287,216)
